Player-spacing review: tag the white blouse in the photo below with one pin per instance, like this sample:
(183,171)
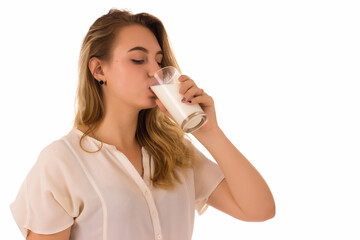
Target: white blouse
(102,196)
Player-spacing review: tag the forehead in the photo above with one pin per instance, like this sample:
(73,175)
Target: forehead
(136,35)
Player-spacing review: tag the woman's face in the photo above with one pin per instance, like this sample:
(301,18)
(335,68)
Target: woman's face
(129,74)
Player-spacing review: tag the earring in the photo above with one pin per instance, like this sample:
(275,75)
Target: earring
(101,82)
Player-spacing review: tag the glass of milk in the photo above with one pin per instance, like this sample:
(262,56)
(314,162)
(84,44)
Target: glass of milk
(189,117)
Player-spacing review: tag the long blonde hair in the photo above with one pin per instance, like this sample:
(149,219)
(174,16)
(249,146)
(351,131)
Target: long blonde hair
(159,135)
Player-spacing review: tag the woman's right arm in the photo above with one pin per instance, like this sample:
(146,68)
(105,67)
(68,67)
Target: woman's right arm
(63,235)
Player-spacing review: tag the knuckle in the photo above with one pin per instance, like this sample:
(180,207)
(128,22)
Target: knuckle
(187,96)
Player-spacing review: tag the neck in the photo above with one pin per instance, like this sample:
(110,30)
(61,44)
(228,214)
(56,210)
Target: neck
(118,128)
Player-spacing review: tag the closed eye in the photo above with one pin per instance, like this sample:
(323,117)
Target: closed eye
(138,61)
(142,61)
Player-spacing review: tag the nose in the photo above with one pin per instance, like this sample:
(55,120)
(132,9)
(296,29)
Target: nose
(153,69)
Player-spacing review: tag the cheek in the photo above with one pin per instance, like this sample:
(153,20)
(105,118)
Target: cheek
(120,74)
(127,80)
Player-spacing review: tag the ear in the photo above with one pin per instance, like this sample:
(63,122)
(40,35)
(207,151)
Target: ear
(96,69)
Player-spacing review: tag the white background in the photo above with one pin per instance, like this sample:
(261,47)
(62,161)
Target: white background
(284,76)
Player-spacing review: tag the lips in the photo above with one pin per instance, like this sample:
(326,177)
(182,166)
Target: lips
(151,91)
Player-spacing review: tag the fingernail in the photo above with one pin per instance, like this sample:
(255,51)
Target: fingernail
(184,99)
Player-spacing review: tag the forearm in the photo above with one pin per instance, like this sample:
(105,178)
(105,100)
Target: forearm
(247,186)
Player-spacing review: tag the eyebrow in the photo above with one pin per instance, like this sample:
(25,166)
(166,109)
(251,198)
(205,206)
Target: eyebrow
(138,48)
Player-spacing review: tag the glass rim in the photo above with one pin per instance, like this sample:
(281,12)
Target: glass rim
(172,70)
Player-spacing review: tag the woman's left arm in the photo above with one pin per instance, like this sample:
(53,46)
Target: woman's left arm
(244,193)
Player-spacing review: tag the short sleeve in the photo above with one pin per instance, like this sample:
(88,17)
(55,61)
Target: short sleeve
(207,176)
(44,203)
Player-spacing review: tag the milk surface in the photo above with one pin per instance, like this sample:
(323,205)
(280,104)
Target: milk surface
(171,98)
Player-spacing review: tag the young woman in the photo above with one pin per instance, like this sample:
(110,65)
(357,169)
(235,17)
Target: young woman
(126,170)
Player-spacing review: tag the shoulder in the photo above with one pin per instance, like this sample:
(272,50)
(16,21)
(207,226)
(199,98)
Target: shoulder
(57,147)
(197,153)
(56,165)
(56,155)
(189,144)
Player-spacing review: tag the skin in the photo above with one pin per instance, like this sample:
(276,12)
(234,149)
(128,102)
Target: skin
(243,193)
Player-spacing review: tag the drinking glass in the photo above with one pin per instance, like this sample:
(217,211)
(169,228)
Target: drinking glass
(189,117)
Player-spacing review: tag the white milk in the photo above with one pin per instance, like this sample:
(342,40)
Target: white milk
(171,98)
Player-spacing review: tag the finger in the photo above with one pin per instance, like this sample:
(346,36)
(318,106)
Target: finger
(191,92)
(204,100)
(183,78)
(201,92)
(186,85)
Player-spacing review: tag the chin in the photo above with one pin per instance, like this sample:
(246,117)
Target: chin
(149,105)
